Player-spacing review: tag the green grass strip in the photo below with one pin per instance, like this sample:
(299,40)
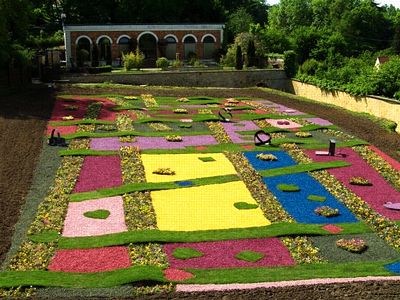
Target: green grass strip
(101,214)
(81,280)
(130,133)
(306,271)
(210,149)
(128,107)
(315,166)
(87,152)
(288,187)
(267,130)
(352,143)
(313,127)
(250,117)
(149,186)
(81,122)
(154,235)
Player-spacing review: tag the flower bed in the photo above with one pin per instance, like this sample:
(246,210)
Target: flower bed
(222,254)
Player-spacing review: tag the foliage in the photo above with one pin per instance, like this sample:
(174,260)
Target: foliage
(245,205)
(266,157)
(251,54)
(360,181)
(162,63)
(133,60)
(239,58)
(353,245)
(164,171)
(250,256)
(290,63)
(97,70)
(97,214)
(326,211)
(186,253)
(288,187)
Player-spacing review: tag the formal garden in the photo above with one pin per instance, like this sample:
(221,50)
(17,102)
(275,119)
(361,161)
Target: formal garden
(141,194)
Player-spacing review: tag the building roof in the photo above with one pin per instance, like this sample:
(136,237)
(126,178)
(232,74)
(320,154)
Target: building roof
(382,59)
(142,27)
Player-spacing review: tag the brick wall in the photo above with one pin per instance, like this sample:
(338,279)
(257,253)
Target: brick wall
(114,35)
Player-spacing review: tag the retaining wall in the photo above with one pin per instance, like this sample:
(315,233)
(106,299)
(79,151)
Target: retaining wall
(377,106)
(275,79)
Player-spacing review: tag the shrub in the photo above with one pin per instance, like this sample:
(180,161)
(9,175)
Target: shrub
(290,66)
(191,57)
(133,60)
(251,54)
(239,58)
(82,56)
(102,69)
(310,67)
(177,63)
(162,63)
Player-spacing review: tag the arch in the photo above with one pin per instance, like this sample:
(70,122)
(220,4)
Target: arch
(123,36)
(189,35)
(83,37)
(83,51)
(147,32)
(148,45)
(208,35)
(171,36)
(103,36)
(208,41)
(170,51)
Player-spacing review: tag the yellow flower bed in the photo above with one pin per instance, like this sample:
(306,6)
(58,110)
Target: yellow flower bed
(186,166)
(206,208)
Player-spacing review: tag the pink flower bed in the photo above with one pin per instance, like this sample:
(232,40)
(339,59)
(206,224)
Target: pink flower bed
(376,195)
(268,285)
(62,129)
(76,224)
(291,125)
(99,172)
(90,260)
(59,110)
(106,114)
(221,254)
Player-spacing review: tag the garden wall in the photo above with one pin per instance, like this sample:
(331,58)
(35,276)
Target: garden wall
(377,106)
(275,79)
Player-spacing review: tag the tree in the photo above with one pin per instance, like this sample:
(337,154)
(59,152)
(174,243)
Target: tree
(304,40)
(238,22)
(251,54)
(290,63)
(273,40)
(239,58)
(290,14)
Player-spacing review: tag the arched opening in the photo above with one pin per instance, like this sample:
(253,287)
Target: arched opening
(171,47)
(104,45)
(209,47)
(83,52)
(190,45)
(148,46)
(123,45)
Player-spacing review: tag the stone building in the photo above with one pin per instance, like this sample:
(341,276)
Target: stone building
(104,44)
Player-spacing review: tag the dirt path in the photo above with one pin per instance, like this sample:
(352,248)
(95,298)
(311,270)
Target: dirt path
(23,119)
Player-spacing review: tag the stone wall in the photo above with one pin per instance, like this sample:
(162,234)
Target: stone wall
(275,79)
(377,106)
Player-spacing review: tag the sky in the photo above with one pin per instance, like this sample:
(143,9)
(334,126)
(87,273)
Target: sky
(396,3)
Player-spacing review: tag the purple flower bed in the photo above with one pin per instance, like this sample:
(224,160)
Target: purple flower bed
(221,254)
(113,143)
(319,121)
(376,195)
(99,172)
(230,129)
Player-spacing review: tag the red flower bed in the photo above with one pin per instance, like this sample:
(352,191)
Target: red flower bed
(90,260)
(99,172)
(221,254)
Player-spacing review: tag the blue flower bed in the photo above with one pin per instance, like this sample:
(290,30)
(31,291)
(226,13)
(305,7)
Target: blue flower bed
(284,160)
(301,209)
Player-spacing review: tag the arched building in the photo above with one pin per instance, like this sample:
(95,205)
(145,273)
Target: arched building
(104,44)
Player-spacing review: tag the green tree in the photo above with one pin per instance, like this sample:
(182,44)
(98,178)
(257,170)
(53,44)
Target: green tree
(290,14)
(238,22)
(251,54)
